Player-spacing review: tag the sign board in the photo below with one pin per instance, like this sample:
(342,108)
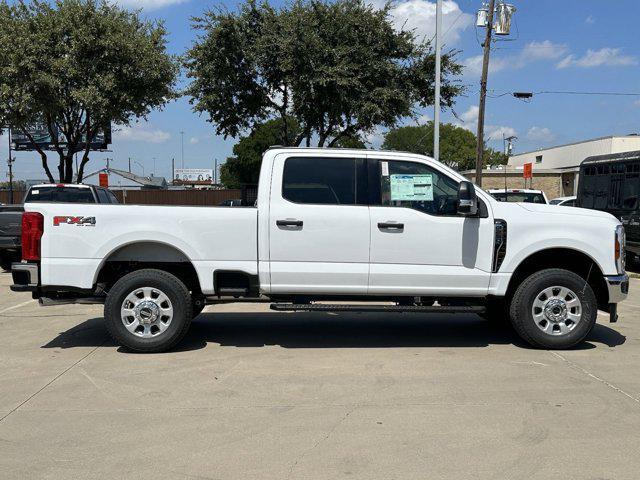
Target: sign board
(104,179)
(527,170)
(44,140)
(193,176)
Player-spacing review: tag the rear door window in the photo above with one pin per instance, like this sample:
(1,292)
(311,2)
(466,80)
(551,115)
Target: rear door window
(60,195)
(324,181)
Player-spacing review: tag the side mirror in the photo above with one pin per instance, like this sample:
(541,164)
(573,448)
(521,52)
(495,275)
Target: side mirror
(467,200)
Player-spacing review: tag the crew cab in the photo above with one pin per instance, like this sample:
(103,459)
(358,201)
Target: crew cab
(399,231)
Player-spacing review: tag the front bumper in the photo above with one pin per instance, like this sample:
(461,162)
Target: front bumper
(618,287)
(25,277)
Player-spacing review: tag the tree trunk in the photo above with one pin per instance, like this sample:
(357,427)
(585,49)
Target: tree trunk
(83,162)
(43,155)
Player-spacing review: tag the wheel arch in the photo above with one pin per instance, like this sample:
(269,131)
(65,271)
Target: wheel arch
(566,258)
(143,254)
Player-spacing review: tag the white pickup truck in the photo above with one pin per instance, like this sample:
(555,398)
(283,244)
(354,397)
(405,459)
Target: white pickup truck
(386,231)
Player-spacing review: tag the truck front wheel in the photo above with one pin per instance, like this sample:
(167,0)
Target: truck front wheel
(553,309)
(148,311)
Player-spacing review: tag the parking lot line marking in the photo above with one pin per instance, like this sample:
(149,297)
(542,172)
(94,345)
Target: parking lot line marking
(23,304)
(33,395)
(578,368)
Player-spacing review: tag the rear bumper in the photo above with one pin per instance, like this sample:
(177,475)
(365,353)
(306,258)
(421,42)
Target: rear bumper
(26,277)
(618,286)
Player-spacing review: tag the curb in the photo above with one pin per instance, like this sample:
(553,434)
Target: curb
(633,275)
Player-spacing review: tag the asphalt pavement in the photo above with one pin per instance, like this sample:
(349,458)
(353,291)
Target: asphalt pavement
(254,394)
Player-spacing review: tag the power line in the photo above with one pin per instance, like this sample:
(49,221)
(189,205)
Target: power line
(570,92)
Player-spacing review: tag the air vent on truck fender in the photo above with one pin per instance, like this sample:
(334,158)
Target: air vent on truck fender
(499,243)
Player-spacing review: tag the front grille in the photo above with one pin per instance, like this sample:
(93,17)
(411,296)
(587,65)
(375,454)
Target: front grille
(499,244)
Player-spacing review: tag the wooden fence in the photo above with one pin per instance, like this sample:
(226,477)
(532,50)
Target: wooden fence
(156,197)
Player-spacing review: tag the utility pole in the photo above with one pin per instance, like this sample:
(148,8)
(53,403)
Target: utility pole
(129,164)
(10,162)
(182,146)
(436,106)
(483,93)
(215,171)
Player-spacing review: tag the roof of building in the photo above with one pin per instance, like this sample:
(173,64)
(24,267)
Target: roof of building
(633,135)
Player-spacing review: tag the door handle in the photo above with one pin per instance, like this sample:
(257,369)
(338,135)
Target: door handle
(289,223)
(390,226)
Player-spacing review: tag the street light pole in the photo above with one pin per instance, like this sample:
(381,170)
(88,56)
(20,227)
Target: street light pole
(436,106)
(10,162)
(483,94)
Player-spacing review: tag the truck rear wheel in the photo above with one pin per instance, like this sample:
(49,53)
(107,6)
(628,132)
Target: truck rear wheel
(553,309)
(148,310)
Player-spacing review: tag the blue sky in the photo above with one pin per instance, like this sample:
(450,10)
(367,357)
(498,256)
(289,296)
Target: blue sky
(569,45)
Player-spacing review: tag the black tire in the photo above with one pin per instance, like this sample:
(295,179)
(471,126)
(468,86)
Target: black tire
(522,304)
(180,301)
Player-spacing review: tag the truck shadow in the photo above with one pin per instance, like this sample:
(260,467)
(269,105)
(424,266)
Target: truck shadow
(322,330)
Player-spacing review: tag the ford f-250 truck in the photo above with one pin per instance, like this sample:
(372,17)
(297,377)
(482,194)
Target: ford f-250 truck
(400,231)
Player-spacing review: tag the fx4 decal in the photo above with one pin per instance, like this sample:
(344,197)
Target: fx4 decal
(79,221)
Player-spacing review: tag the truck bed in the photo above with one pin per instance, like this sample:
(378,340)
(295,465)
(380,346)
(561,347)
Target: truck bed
(79,238)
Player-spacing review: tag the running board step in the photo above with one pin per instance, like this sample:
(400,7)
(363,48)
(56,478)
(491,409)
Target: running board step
(324,307)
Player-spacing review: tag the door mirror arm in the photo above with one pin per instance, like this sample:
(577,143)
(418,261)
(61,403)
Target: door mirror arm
(467,199)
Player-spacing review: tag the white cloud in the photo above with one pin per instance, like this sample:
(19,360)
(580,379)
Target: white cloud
(375,137)
(590,20)
(469,121)
(597,58)
(531,52)
(473,65)
(540,134)
(141,132)
(545,50)
(497,132)
(148,4)
(420,16)
(423,119)
(194,140)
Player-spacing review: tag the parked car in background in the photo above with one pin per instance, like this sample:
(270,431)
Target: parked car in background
(11,215)
(231,203)
(564,201)
(524,195)
(341,225)
(611,183)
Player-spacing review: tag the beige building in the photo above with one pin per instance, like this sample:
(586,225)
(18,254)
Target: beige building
(555,169)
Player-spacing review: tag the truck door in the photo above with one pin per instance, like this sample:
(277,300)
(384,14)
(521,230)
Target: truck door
(319,224)
(419,245)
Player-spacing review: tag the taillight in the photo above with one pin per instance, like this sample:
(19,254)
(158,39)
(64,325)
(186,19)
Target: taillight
(32,229)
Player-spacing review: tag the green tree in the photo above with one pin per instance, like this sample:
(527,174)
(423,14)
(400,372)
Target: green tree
(340,68)
(457,145)
(75,66)
(244,165)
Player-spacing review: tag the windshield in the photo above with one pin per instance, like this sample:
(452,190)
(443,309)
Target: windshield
(60,195)
(519,197)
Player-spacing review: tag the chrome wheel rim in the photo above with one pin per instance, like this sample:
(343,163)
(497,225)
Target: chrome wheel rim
(557,310)
(146,312)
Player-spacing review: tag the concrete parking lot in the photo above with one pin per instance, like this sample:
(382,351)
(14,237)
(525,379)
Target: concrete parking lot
(254,394)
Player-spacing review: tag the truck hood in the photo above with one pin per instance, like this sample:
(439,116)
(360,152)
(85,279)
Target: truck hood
(558,210)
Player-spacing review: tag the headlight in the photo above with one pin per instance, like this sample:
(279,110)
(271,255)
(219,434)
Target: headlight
(619,248)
